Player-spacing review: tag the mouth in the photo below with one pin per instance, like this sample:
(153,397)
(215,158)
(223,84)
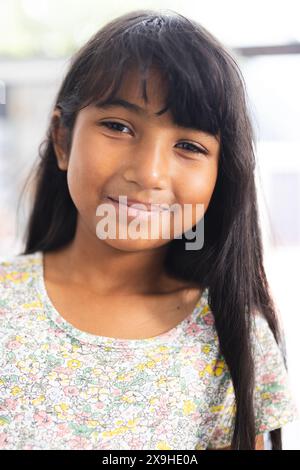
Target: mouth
(150,207)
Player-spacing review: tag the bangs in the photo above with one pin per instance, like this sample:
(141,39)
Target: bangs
(189,64)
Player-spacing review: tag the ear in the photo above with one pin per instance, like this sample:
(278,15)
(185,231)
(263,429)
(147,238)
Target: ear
(59,139)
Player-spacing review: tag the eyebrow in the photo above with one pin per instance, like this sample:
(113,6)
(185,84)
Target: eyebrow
(110,103)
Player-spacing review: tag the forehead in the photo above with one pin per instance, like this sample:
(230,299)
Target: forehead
(131,89)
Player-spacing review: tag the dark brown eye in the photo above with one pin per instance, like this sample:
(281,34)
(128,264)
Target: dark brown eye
(114,126)
(193,148)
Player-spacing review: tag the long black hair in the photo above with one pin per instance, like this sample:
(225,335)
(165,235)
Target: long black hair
(205,89)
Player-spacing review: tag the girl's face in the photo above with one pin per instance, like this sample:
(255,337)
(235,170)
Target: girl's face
(121,151)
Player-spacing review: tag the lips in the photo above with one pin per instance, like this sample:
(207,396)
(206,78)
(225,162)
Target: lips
(150,206)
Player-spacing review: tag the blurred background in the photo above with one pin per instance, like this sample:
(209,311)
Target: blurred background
(37,38)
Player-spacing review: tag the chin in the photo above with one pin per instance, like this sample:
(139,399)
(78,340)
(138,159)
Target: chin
(134,245)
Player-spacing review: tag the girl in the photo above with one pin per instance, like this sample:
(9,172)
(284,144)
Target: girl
(131,343)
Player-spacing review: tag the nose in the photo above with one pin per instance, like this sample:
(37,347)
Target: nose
(149,167)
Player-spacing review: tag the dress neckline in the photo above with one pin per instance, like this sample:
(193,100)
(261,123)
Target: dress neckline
(172,337)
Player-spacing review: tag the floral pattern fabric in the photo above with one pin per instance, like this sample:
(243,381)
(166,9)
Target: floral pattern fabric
(63,388)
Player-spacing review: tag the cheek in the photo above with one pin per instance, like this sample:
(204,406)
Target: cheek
(90,167)
(196,188)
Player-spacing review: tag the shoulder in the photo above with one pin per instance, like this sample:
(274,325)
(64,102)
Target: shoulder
(16,268)
(17,276)
(202,330)
(210,363)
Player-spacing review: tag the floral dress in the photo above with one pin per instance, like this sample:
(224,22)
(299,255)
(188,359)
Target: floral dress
(64,388)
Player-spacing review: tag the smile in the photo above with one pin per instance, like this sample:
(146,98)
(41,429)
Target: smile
(135,212)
